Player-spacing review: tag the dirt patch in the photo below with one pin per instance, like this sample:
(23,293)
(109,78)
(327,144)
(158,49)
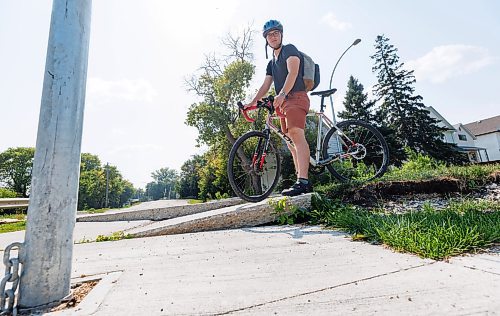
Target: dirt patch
(78,292)
(372,193)
(495,176)
(444,188)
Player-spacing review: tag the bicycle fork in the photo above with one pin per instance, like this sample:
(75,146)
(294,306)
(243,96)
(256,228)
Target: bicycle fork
(259,156)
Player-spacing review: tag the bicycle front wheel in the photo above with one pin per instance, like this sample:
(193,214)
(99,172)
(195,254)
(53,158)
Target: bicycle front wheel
(254,166)
(359,151)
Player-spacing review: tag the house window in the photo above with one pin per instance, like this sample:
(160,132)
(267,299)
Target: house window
(473,156)
(462,137)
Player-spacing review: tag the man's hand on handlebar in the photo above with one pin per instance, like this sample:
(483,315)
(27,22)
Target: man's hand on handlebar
(248,105)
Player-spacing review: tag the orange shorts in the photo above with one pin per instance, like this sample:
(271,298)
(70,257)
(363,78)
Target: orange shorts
(295,109)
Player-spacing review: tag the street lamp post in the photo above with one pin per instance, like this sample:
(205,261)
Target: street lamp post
(356,42)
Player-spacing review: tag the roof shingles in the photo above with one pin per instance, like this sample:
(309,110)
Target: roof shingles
(487,126)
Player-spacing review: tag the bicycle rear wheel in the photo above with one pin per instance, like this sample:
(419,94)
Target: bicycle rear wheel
(254,167)
(362,152)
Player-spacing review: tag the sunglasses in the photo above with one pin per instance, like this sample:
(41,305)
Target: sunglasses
(273,34)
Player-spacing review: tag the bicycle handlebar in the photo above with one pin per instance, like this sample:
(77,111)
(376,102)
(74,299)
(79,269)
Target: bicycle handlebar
(266,103)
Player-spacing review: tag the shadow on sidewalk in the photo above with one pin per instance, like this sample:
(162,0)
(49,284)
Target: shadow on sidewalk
(295,232)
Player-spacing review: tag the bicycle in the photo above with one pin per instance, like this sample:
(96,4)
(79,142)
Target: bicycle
(351,150)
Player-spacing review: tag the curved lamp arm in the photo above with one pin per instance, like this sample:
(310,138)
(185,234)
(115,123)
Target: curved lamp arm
(356,42)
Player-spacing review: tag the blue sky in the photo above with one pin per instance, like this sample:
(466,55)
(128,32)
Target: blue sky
(141,51)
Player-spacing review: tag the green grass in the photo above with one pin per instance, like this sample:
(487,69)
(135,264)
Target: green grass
(102,210)
(194,201)
(19,216)
(464,226)
(119,235)
(96,211)
(12,227)
(472,175)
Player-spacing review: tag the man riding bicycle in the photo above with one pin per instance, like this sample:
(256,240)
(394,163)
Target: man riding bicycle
(286,70)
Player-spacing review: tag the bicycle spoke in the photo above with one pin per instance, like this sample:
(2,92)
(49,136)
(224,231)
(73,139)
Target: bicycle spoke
(252,174)
(364,152)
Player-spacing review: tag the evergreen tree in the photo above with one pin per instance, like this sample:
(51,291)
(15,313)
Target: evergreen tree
(359,107)
(402,110)
(356,103)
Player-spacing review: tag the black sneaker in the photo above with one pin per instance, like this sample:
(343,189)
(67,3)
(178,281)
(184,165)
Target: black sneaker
(297,188)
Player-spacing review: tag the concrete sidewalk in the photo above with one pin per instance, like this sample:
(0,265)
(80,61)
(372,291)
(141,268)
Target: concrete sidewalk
(280,271)
(83,231)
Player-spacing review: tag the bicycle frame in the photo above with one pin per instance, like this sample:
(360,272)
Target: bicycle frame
(322,119)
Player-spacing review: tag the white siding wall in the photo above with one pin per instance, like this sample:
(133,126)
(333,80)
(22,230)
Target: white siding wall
(449,137)
(492,144)
(468,143)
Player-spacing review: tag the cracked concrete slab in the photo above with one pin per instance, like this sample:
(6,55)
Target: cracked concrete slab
(434,289)
(486,262)
(157,213)
(217,272)
(246,215)
(83,231)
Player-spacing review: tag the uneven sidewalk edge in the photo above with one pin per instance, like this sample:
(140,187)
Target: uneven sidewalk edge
(158,214)
(247,215)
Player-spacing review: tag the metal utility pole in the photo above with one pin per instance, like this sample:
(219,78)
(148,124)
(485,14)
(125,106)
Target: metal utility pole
(51,217)
(107,185)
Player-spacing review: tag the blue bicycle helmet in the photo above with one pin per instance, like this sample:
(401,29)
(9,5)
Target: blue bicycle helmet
(271,25)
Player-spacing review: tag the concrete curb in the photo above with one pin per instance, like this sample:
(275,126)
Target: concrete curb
(158,214)
(94,298)
(248,215)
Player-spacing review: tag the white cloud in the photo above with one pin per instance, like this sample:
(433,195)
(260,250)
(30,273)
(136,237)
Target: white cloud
(331,20)
(103,91)
(448,61)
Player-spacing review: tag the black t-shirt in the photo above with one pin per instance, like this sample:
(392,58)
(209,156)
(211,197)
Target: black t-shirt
(278,70)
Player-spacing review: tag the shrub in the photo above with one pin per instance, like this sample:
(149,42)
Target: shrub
(6,193)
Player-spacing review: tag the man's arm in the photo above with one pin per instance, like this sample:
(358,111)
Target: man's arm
(264,88)
(292,64)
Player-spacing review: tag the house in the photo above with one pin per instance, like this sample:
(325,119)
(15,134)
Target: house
(465,139)
(449,133)
(487,133)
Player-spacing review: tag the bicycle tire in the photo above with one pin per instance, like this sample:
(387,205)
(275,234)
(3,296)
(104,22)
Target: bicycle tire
(360,168)
(266,179)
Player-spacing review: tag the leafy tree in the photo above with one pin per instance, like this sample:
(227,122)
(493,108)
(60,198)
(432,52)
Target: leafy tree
(164,184)
(6,193)
(16,165)
(220,85)
(92,187)
(190,176)
(213,181)
(402,110)
(127,192)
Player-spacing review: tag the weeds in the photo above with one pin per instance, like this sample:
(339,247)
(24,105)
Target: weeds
(119,235)
(12,227)
(286,213)
(465,226)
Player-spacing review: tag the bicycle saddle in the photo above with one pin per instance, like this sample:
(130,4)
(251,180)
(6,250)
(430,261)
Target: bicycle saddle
(325,93)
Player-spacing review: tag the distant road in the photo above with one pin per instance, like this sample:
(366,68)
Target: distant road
(157,204)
